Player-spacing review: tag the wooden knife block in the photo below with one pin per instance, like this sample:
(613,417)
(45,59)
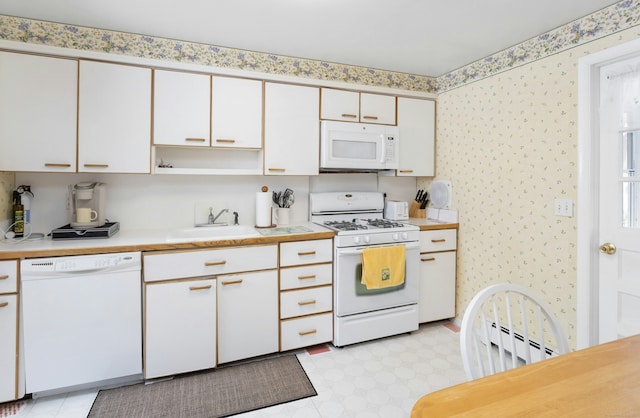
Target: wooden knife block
(416,212)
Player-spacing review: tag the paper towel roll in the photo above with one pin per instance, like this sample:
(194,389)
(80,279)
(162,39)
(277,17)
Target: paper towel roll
(263,209)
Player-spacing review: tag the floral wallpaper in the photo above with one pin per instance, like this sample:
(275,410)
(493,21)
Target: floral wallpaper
(7,180)
(508,143)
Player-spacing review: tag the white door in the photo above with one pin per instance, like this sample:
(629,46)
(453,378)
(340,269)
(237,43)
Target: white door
(619,209)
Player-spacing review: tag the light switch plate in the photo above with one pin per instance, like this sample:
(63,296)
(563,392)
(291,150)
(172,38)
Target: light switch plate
(563,207)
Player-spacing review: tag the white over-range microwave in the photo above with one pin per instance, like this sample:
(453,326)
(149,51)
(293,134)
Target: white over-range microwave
(358,146)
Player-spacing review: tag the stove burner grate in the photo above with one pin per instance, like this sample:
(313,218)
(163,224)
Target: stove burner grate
(384,223)
(345,225)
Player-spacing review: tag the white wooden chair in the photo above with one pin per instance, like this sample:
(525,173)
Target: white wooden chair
(506,326)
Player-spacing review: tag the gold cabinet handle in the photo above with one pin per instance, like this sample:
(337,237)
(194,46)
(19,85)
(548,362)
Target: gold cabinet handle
(349,115)
(215,263)
(608,248)
(439,240)
(302,253)
(311,276)
(200,287)
(311,331)
(428,259)
(97,165)
(226,141)
(307,302)
(4,304)
(195,139)
(63,165)
(406,171)
(370,117)
(281,170)
(226,283)
(4,277)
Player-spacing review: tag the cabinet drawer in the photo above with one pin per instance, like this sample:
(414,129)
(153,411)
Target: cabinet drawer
(306,252)
(181,264)
(9,276)
(305,302)
(303,332)
(306,276)
(438,240)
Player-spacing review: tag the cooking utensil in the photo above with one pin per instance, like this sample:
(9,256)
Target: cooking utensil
(287,199)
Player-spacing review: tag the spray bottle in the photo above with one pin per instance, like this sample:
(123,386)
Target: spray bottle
(26,197)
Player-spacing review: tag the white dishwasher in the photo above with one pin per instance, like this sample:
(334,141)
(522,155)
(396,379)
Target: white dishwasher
(82,321)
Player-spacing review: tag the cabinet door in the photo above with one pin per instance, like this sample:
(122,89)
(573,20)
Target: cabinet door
(38,111)
(340,105)
(181,107)
(236,113)
(180,327)
(416,122)
(377,108)
(247,315)
(292,130)
(114,122)
(8,336)
(437,286)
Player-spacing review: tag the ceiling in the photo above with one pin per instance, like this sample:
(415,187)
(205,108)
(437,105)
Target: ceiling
(422,37)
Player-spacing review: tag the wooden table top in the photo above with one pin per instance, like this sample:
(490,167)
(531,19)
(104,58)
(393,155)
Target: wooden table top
(599,381)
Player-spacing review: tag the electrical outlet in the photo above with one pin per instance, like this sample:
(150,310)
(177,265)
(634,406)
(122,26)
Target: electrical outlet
(563,207)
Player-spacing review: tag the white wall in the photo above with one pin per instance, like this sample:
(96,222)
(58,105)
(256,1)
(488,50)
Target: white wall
(169,201)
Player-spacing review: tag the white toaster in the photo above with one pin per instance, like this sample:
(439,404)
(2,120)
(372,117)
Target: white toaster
(396,210)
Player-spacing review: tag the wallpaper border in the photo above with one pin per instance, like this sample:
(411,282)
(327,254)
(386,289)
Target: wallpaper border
(615,18)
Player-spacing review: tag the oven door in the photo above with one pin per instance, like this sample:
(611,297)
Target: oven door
(352,297)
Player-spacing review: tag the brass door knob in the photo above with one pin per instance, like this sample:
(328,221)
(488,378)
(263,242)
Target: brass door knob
(608,248)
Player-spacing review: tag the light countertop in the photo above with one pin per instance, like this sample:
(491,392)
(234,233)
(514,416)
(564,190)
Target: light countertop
(156,240)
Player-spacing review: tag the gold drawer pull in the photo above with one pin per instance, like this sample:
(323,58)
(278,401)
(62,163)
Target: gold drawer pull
(439,240)
(301,253)
(215,263)
(97,165)
(200,287)
(4,277)
(226,141)
(282,170)
(348,115)
(370,117)
(4,304)
(195,139)
(406,171)
(311,276)
(428,259)
(303,333)
(64,165)
(308,302)
(226,283)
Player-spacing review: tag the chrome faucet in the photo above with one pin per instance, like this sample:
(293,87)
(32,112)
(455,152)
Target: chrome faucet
(212,219)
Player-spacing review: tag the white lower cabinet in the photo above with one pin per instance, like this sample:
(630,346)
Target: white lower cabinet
(8,354)
(180,326)
(247,315)
(306,293)
(437,275)
(11,361)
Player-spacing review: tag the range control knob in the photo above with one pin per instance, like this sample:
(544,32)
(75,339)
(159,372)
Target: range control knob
(356,240)
(395,236)
(367,239)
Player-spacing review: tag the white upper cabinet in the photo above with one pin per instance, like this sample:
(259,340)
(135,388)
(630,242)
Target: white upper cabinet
(351,106)
(292,130)
(181,108)
(114,128)
(416,122)
(377,108)
(236,113)
(38,111)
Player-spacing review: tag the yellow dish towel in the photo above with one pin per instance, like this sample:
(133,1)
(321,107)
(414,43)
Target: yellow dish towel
(383,266)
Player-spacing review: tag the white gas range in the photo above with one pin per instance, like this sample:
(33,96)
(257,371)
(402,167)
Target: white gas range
(362,314)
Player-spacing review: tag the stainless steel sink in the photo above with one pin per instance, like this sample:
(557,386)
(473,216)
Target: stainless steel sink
(212,234)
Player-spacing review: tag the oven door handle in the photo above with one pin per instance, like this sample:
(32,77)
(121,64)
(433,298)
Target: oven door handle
(358,250)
